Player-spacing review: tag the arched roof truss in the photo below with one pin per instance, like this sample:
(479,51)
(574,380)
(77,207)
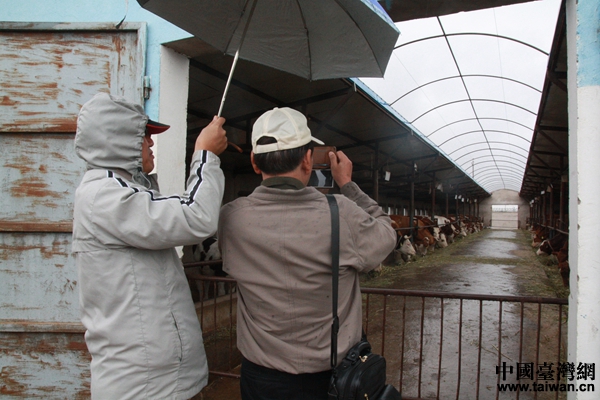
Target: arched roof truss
(472,83)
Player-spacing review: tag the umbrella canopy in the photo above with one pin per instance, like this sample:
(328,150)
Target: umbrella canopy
(314,39)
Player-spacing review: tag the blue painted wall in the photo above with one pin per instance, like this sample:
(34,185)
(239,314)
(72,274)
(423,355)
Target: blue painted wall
(95,11)
(588,43)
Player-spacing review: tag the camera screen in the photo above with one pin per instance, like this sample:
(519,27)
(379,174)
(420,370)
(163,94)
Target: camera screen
(321,178)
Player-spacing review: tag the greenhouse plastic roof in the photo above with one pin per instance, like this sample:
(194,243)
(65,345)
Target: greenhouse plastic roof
(472,84)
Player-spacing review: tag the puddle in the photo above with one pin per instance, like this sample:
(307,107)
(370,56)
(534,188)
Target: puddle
(502,234)
(464,278)
(490,248)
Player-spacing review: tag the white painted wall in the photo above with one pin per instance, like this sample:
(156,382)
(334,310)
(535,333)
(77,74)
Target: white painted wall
(583,25)
(169,148)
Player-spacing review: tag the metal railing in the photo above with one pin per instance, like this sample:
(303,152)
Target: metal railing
(437,345)
(463,346)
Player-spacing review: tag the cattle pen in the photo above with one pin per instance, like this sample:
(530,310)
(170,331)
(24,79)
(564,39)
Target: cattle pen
(438,344)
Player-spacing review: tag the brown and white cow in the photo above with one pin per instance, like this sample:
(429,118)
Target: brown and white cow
(550,245)
(404,251)
(424,239)
(538,235)
(446,228)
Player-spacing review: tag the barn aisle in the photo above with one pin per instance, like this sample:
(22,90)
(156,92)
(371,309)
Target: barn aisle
(492,261)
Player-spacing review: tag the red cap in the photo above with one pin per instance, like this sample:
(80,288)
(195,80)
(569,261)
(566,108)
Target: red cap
(154,128)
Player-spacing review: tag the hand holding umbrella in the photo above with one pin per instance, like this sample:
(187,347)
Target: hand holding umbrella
(213,137)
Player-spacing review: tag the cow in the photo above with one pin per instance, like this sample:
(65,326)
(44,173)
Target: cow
(538,235)
(208,250)
(446,227)
(404,247)
(404,251)
(565,271)
(555,244)
(441,220)
(561,255)
(442,242)
(461,227)
(431,226)
(424,240)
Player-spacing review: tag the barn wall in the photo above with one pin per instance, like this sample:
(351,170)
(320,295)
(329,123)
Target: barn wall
(170,147)
(583,27)
(48,70)
(106,11)
(504,197)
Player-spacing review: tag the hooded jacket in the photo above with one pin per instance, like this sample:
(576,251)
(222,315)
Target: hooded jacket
(141,325)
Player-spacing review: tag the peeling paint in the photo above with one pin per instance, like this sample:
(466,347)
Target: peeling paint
(44,364)
(58,71)
(32,187)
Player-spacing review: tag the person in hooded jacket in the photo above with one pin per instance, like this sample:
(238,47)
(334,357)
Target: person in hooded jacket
(141,324)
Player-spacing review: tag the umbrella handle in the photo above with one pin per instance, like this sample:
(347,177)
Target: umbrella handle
(235,146)
(235,59)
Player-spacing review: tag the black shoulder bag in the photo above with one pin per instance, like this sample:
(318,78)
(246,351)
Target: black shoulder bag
(361,374)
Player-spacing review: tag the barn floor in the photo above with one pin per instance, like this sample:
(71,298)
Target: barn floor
(498,262)
(493,261)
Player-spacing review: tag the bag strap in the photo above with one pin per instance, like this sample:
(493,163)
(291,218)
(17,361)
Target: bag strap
(335,268)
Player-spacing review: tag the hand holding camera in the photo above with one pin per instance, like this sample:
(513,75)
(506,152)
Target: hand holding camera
(341,167)
(330,166)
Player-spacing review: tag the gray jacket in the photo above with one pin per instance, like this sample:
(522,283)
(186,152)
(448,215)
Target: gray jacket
(141,325)
(277,244)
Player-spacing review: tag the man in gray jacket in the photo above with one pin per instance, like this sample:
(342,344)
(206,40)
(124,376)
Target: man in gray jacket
(141,325)
(277,244)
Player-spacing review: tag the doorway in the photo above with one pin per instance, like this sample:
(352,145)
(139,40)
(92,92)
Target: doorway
(505,216)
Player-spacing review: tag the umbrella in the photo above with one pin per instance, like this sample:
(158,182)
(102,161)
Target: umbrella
(314,39)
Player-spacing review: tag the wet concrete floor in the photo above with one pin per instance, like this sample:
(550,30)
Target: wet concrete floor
(476,336)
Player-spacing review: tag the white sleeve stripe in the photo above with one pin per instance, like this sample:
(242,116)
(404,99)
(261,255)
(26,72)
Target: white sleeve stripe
(183,201)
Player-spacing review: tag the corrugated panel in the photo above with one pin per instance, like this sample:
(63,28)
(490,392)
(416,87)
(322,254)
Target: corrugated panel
(47,75)
(38,279)
(45,365)
(47,72)
(39,175)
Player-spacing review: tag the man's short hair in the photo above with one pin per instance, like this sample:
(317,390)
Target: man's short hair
(282,161)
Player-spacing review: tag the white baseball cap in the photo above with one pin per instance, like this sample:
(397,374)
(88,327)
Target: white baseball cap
(286,125)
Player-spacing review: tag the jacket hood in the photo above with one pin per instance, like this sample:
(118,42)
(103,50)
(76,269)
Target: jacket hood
(110,131)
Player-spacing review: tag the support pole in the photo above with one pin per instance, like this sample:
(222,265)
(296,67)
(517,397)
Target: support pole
(411,212)
(544,211)
(433,197)
(551,211)
(375,172)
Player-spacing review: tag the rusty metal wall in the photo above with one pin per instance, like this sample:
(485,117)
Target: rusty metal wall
(48,71)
